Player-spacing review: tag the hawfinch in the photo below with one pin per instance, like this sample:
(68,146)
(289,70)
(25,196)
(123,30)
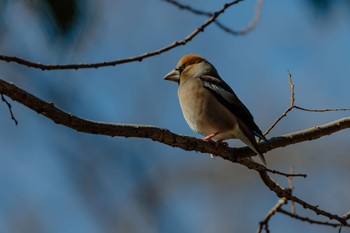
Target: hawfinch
(210,106)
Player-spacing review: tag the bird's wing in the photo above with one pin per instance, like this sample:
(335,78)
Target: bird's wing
(228,98)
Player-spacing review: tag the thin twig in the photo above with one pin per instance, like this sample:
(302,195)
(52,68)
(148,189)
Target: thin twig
(189,8)
(322,110)
(250,27)
(286,193)
(286,174)
(9,106)
(257,14)
(291,105)
(272,211)
(346,217)
(306,219)
(291,187)
(139,58)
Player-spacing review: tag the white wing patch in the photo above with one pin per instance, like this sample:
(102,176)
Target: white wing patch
(227,95)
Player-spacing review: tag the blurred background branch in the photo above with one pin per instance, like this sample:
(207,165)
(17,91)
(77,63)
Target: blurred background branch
(138,58)
(250,27)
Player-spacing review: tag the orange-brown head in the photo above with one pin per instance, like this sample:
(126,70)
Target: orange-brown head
(190,65)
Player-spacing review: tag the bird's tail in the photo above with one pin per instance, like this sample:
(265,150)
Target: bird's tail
(254,146)
(261,136)
(248,137)
(261,156)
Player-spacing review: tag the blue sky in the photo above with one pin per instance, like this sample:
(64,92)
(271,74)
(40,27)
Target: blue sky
(57,180)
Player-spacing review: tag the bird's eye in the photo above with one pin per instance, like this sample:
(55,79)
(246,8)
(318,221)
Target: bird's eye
(181,68)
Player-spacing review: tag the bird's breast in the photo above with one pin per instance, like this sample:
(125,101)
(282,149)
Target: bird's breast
(203,112)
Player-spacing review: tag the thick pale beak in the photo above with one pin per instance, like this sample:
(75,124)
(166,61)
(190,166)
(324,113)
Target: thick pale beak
(173,75)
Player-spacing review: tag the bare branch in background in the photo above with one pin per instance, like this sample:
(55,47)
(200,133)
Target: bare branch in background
(138,58)
(322,110)
(305,219)
(292,106)
(285,195)
(265,222)
(291,187)
(286,174)
(250,27)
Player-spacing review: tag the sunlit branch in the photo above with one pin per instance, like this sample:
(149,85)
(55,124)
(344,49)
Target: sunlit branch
(163,135)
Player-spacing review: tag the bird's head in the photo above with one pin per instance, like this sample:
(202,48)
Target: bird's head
(190,66)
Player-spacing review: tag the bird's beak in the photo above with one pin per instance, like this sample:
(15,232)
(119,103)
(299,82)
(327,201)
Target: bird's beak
(173,75)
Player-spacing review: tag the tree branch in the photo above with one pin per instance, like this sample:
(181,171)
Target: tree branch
(9,106)
(272,211)
(163,135)
(139,58)
(292,106)
(306,219)
(286,174)
(244,31)
(238,155)
(282,192)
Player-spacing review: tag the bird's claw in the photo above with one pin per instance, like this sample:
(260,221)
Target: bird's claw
(209,137)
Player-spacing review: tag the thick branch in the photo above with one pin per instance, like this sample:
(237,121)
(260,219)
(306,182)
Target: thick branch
(163,135)
(184,142)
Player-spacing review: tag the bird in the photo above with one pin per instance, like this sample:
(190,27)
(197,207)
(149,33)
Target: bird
(209,105)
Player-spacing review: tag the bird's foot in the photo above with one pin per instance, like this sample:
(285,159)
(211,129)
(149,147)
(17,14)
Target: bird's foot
(209,137)
(217,143)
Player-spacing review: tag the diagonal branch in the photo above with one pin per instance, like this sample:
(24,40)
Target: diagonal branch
(272,211)
(139,58)
(9,106)
(291,105)
(286,193)
(306,219)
